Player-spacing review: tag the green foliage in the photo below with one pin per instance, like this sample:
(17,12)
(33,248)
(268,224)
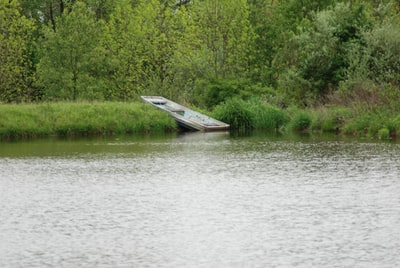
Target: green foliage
(394,126)
(265,116)
(188,63)
(71,62)
(378,124)
(295,11)
(236,113)
(153,50)
(377,60)
(159,42)
(227,36)
(125,53)
(330,119)
(46,12)
(318,54)
(252,114)
(16,67)
(365,97)
(384,134)
(296,89)
(102,8)
(211,92)
(288,53)
(61,119)
(358,126)
(300,121)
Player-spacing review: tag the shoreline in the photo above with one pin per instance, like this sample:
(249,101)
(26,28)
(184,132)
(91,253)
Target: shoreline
(94,119)
(64,119)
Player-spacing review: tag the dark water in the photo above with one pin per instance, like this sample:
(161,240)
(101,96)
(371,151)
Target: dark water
(200,200)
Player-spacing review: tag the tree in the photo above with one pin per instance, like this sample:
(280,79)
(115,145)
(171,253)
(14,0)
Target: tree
(149,49)
(102,8)
(227,34)
(378,58)
(123,41)
(316,59)
(16,68)
(164,36)
(275,22)
(45,11)
(71,60)
(189,60)
(156,20)
(295,11)
(271,33)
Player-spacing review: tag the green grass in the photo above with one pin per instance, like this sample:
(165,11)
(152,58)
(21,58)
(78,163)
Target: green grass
(300,121)
(330,119)
(378,124)
(237,113)
(266,116)
(116,118)
(251,114)
(80,119)
(255,114)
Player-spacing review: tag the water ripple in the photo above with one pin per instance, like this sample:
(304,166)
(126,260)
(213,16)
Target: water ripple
(203,201)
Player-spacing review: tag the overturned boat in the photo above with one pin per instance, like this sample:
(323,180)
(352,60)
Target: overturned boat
(185,117)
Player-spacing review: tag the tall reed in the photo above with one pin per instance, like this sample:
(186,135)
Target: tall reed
(251,114)
(236,113)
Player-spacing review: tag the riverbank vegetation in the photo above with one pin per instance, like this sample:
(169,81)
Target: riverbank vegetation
(81,119)
(118,118)
(330,66)
(256,115)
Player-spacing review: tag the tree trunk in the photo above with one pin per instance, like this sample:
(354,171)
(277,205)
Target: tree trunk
(62,6)
(51,14)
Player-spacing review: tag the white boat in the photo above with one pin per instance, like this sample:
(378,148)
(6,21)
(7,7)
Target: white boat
(185,117)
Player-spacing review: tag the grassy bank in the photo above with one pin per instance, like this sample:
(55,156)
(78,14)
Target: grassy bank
(255,114)
(115,118)
(79,119)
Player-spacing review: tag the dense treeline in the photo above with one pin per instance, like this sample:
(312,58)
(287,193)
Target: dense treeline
(288,52)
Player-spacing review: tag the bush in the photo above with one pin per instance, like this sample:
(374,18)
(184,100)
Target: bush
(358,126)
(266,116)
(251,114)
(384,134)
(300,121)
(378,58)
(236,113)
(372,125)
(330,119)
(394,126)
(315,59)
(211,92)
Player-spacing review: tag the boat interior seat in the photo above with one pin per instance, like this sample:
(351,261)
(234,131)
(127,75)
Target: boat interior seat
(178,111)
(158,102)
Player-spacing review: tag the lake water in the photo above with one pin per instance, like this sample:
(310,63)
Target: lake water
(200,200)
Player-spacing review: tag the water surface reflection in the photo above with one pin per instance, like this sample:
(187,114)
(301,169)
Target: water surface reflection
(200,200)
